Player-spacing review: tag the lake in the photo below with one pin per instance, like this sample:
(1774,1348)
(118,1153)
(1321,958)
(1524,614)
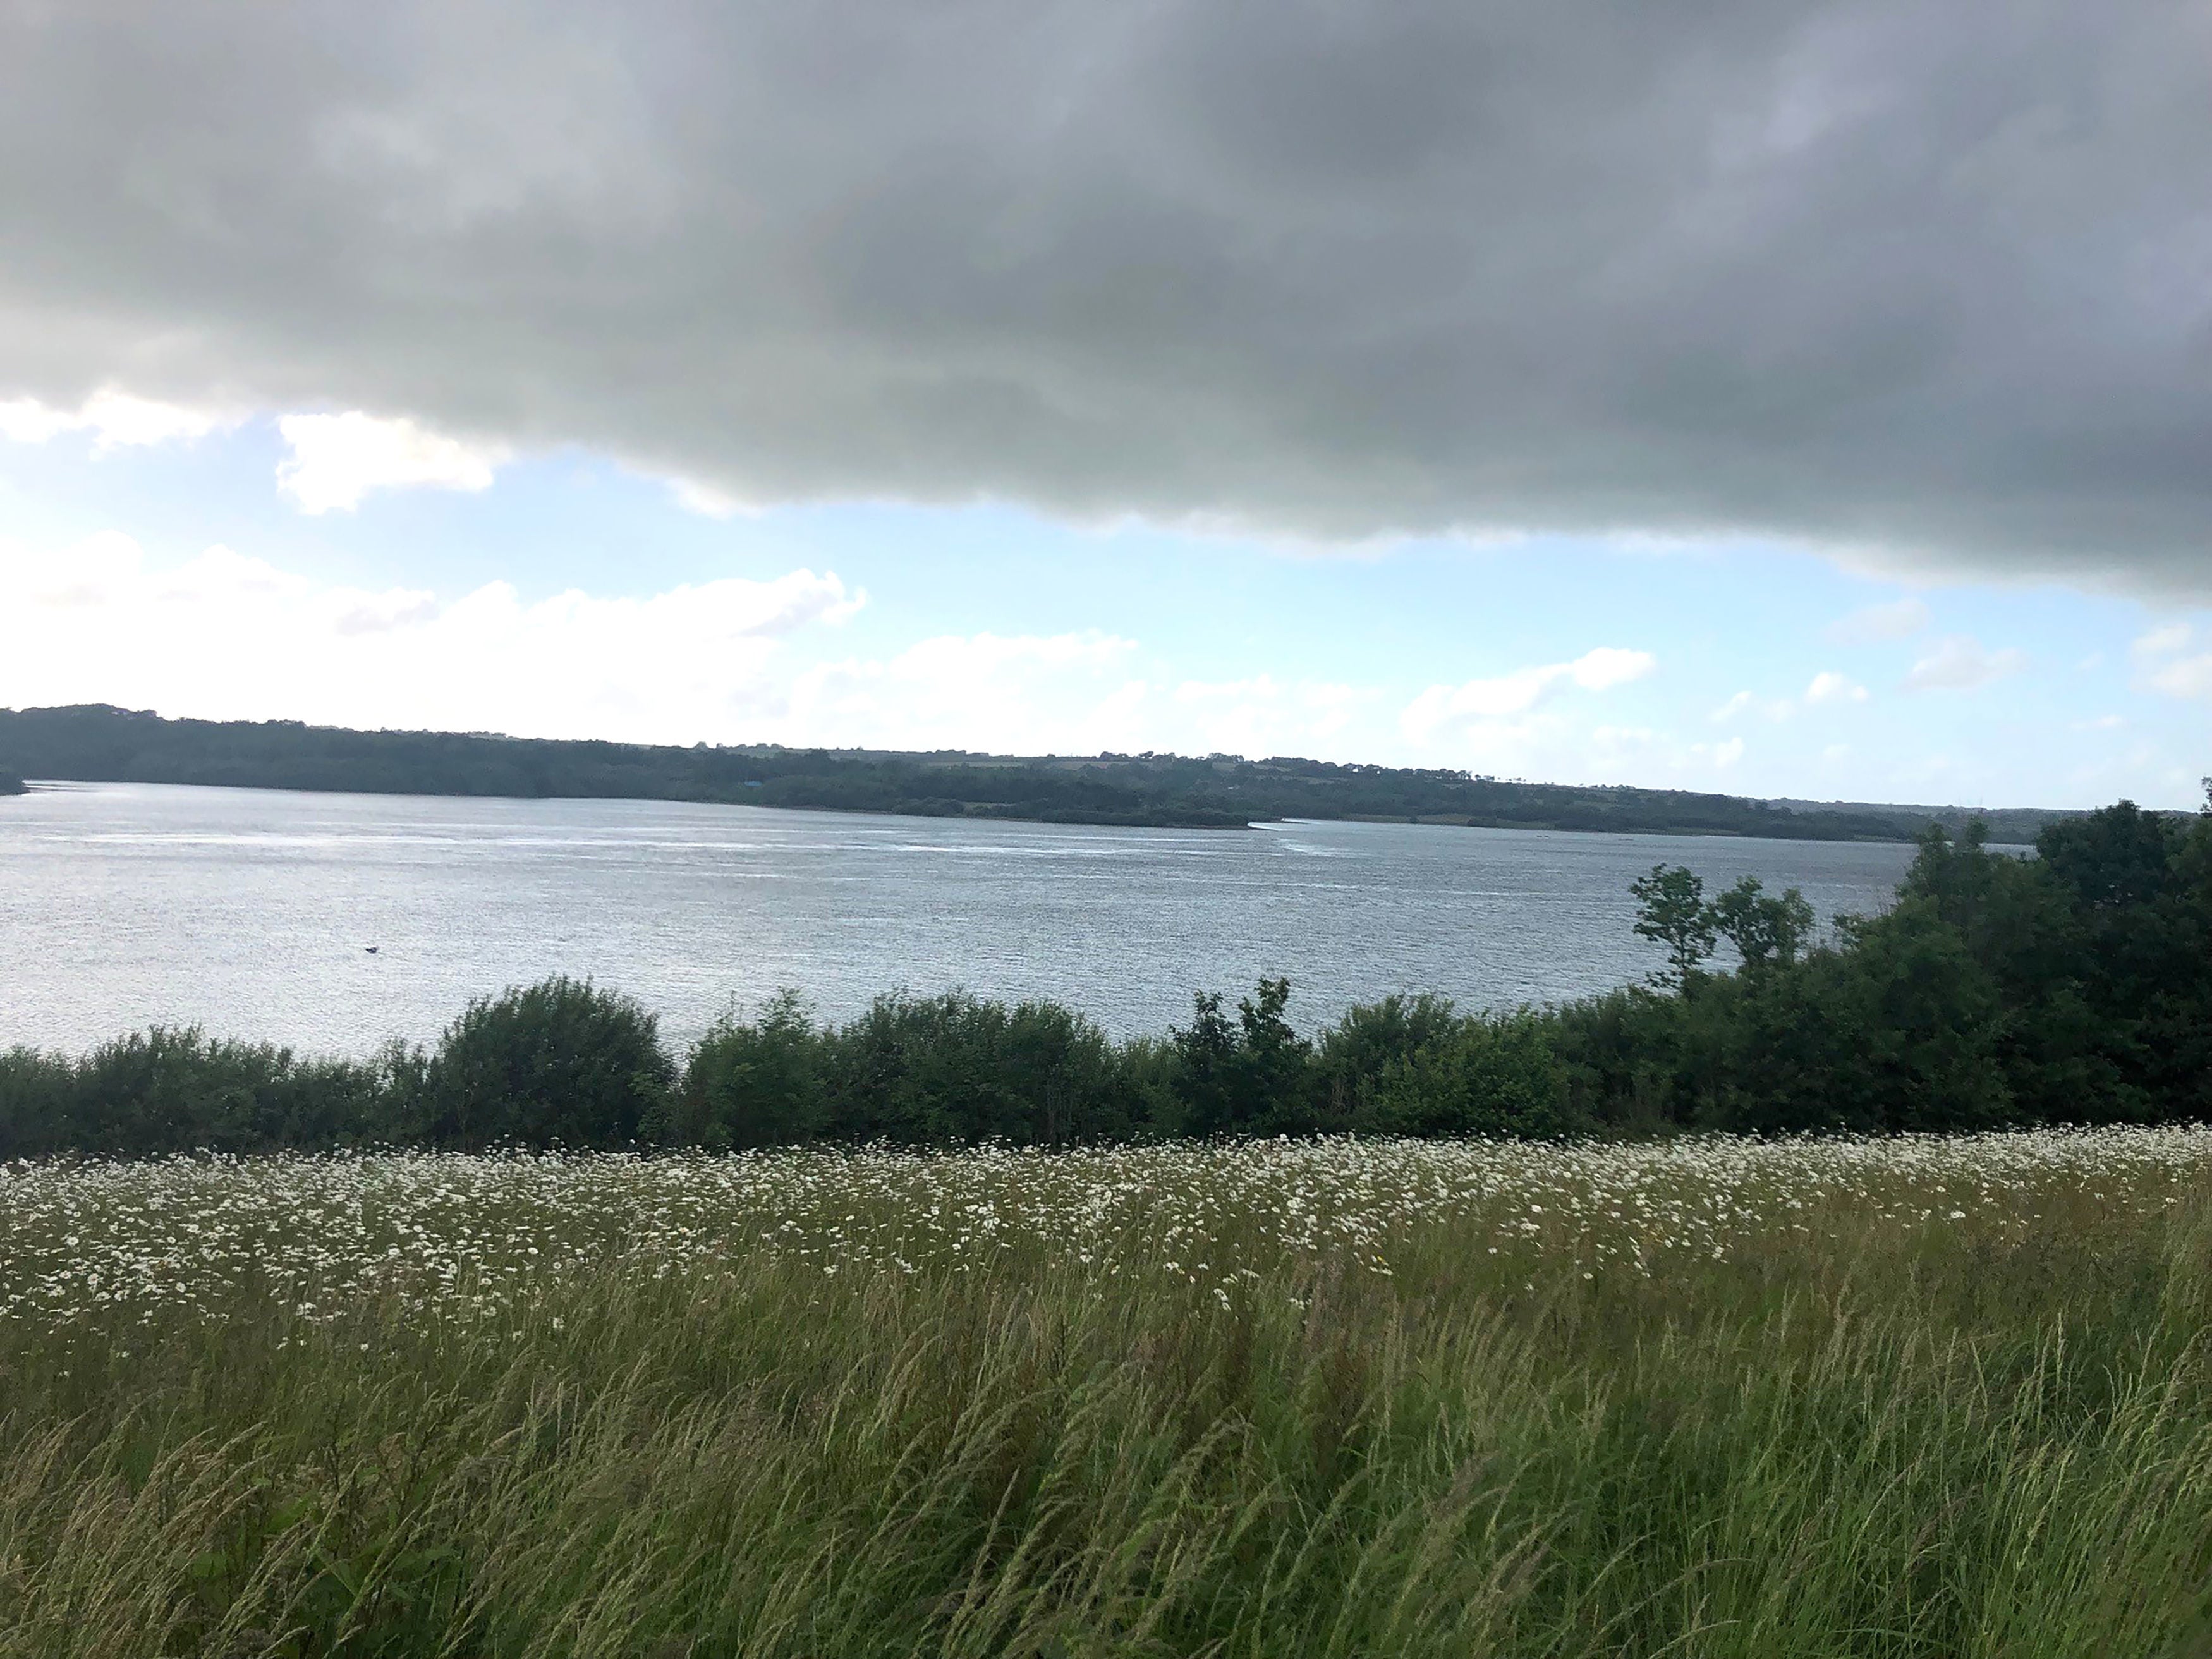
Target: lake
(250,911)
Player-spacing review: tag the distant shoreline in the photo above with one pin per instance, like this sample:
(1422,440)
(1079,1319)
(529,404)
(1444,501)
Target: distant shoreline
(97,743)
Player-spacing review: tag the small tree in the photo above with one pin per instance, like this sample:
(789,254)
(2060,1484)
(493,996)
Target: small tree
(1247,1077)
(558,1063)
(1764,929)
(1671,910)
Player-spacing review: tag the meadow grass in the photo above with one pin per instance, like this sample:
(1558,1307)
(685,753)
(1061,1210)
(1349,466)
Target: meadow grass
(1708,1398)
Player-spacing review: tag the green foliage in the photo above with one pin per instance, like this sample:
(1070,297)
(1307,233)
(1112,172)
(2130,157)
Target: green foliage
(163,1091)
(1352,1058)
(1252,1076)
(1671,910)
(1764,928)
(1483,1075)
(2074,986)
(560,1063)
(1898,1032)
(949,1069)
(762,1082)
(953,1068)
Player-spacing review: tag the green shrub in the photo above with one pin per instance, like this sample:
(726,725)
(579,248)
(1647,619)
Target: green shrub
(951,1068)
(1252,1076)
(171,1091)
(1351,1057)
(1486,1075)
(560,1063)
(760,1084)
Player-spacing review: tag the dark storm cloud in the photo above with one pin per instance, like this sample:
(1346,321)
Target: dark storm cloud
(1932,280)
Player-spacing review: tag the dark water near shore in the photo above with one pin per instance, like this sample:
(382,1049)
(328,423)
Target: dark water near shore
(248,911)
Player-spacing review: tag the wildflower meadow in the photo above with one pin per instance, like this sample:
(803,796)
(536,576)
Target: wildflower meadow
(1707,1396)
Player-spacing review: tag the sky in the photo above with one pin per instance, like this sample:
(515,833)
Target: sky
(1805,399)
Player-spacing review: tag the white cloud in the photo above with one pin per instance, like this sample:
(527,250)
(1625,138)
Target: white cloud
(1608,665)
(2161,666)
(337,460)
(116,419)
(1263,716)
(1900,619)
(1024,694)
(230,636)
(1743,703)
(1958,663)
(1516,693)
(1829,686)
(2186,677)
(2101,723)
(227,636)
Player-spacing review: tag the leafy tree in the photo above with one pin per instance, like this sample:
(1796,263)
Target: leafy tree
(1249,1078)
(558,1063)
(1671,910)
(1764,929)
(1900,1029)
(1955,875)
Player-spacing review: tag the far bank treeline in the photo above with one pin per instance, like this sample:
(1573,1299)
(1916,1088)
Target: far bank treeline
(97,743)
(2075,987)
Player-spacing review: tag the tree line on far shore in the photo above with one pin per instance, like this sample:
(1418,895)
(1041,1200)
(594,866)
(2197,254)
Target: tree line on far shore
(2072,988)
(96,743)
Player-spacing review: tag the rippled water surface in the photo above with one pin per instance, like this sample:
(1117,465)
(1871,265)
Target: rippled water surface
(250,911)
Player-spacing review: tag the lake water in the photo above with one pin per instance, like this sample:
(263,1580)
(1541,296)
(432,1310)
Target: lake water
(249,911)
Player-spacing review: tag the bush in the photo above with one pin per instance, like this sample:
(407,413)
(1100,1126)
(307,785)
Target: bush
(765,1083)
(560,1063)
(1352,1056)
(950,1068)
(1622,1054)
(171,1091)
(1485,1074)
(947,1069)
(1254,1077)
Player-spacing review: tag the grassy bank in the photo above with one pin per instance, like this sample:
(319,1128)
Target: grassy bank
(1719,1398)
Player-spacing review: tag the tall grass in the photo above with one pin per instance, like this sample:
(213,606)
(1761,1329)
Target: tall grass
(1713,1399)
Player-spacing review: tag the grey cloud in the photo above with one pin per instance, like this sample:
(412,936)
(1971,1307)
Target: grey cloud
(1928,284)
